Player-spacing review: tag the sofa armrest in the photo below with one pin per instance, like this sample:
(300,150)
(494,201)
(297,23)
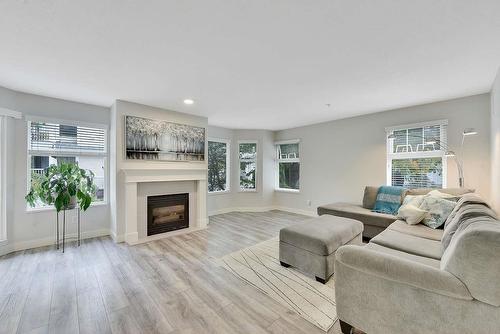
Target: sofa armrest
(401,270)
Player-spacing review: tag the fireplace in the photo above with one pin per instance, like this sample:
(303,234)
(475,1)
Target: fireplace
(167,213)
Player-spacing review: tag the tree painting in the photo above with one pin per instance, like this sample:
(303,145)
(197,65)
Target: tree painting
(148,139)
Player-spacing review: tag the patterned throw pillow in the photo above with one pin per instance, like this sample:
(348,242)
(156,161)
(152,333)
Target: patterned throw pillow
(438,209)
(388,200)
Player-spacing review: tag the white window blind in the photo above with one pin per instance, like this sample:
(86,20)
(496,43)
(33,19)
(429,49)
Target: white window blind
(415,155)
(66,138)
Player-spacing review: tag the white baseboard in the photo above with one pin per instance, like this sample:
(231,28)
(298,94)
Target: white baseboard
(23,245)
(264,209)
(117,237)
(242,209)
(297,211)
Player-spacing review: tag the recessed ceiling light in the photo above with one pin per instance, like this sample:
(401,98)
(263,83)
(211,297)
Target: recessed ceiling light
(188,101)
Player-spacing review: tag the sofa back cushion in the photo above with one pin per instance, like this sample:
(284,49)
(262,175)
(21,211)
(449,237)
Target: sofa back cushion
(451,191)
(370,197)
(465,213)
(473,257)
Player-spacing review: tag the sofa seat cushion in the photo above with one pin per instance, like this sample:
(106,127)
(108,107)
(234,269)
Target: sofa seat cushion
(357,212)
(321,235)
(415,258)
(419,230)
(409,244)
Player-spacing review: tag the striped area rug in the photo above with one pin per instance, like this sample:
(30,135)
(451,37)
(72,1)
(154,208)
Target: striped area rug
(259,266)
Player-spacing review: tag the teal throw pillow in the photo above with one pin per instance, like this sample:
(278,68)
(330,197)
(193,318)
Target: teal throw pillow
(388,200)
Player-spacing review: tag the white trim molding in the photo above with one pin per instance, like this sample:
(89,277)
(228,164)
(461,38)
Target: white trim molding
(10,113)
(263,209)
(3,178)
(47,241)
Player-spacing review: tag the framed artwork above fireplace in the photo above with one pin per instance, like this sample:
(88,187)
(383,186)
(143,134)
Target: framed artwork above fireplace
(148,139)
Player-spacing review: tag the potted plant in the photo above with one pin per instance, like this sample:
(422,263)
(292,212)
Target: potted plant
(64,185)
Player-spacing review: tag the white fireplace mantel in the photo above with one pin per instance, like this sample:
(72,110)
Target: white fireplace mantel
(132,177)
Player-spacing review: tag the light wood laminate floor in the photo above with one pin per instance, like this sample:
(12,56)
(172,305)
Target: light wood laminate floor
(166,286)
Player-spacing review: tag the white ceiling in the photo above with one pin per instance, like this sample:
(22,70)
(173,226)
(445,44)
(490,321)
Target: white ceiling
(252,63)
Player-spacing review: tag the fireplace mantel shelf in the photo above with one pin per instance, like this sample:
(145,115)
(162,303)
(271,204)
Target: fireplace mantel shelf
(163,175)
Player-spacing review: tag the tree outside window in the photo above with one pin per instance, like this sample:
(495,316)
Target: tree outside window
(248,166)
(218,166)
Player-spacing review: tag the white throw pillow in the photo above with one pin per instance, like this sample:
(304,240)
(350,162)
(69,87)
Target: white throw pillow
(414,200)
(437,193)
(411,214)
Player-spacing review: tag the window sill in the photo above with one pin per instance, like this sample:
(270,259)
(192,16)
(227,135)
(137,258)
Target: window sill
(292,191)
(225,192)
(51,208)
(247,190)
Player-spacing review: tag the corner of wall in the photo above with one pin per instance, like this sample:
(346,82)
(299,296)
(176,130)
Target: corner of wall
(495,142)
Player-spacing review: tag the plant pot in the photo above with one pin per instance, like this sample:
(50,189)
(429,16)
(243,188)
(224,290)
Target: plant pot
(72,203)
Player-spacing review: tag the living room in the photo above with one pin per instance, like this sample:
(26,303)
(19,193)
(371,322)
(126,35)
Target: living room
(249,167)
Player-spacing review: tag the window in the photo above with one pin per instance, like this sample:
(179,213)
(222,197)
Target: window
(415,155)
(3,226)
(248,165)
(52,143)
(218,165)
(288,166)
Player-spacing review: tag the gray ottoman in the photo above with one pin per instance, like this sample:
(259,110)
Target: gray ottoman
(311,246)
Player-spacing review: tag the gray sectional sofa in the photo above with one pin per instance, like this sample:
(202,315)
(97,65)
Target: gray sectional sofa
(414,279)
(374,222)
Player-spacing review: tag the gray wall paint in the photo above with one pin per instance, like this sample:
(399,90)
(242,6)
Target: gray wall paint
(339,158)
(495,143)
(235,199)
(30,228)
(335,165)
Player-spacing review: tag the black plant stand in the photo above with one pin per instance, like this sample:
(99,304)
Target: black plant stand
(58,243)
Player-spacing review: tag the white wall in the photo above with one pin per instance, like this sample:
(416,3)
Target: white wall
(495,143)
(118,162)
(235,199)
(34,228)
(339,158)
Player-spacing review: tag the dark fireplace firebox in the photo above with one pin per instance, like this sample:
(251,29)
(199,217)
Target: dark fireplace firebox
(167,213)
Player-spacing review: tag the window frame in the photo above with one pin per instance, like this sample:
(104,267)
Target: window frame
(279,160)
(3,178)
(66,153)
(390,155)
(248,160)
(228,164)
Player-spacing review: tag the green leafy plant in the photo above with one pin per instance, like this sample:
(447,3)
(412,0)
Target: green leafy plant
(63,186)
